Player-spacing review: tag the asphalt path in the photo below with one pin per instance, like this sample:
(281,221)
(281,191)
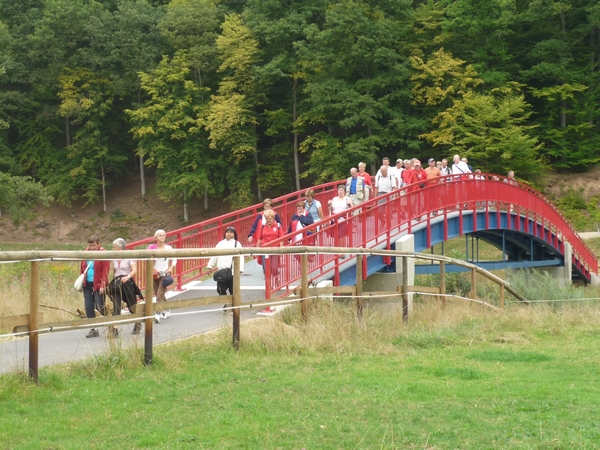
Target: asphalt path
(70,346)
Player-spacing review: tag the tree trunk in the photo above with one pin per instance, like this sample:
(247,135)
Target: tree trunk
(67,131)
(258,192)
(103,187)
(294,117)
(205,199)
(142,178)
(142,173)
(186,217)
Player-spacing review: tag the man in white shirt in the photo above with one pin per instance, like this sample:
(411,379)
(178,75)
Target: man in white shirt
(396,171)
(459,167)
(385,162)
(384,183)
(444,170)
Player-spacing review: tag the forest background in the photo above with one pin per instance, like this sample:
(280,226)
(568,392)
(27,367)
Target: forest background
(231,100)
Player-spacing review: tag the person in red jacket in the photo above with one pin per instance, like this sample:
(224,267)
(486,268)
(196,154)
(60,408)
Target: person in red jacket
(420,177)
(269,232)
(94,283)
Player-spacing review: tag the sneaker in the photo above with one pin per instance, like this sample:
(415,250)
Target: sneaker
(93,333)
(163,315)
(167,313)
(125,311)
(137,328)
(268,310)
(157,316)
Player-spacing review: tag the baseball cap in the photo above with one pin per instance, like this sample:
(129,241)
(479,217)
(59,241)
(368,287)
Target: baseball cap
(417,163)
(430,160)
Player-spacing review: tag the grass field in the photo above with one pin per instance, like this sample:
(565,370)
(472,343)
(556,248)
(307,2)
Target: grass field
(458,377)
(455,377)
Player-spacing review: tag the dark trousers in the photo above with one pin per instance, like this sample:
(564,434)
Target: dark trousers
(93,300)
(223,286)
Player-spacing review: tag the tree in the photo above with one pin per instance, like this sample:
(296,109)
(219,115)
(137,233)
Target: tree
(232,118)
(280,28)
(19,194)
(490,129)
(168,135)
(358,99)
(562,70)
(88,99)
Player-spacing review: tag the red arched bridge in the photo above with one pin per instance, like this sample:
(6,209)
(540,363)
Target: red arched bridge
(512,216)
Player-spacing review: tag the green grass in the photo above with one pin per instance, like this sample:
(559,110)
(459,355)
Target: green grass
(13,247)
(461,377)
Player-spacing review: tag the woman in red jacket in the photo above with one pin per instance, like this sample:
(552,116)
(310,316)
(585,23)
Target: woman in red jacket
(94,284)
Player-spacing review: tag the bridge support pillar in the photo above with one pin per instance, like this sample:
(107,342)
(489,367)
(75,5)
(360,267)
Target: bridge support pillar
(391,281)
(562,274)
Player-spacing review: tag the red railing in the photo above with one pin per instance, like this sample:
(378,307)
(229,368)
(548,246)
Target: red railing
(208,233)
(373,223)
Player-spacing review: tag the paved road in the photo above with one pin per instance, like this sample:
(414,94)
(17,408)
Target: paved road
(69,346)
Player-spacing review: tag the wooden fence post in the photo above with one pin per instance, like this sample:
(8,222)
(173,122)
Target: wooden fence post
(359,290)
(34,305)
(405,288)
(443,282)
(473,284)
(148,312)
(303,302)
(236,301)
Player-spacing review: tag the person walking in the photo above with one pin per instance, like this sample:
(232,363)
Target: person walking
(94,283)
(163,267)
(122,288)
(368,184)
(271,231)
(355,188)
(230,240)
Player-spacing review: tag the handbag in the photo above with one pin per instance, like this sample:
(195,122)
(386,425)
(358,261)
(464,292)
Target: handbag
(78,285)
(223,275)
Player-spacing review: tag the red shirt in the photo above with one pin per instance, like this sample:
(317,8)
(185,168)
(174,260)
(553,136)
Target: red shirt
(270,233)
(366,178)
(101,270)
(408,176)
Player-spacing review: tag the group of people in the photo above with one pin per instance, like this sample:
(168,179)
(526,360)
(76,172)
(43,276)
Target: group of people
(360,186)
(122,289)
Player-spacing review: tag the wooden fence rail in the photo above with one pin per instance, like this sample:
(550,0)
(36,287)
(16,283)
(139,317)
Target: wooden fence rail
(30,323)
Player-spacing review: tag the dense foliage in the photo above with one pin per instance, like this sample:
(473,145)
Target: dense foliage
(233,98)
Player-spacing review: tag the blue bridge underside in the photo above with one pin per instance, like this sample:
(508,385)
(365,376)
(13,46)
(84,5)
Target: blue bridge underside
(502,230)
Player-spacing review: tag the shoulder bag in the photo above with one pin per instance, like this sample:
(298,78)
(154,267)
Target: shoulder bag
(78,285)
(226,274)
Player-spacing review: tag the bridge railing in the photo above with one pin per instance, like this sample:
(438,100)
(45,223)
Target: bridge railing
(208,233)
(373,223)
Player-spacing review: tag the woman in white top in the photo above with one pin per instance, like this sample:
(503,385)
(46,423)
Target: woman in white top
(163,267)
(123,288)
(338,205)
(222,262)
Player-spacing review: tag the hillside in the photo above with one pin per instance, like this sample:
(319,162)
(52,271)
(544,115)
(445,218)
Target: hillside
(129,217)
